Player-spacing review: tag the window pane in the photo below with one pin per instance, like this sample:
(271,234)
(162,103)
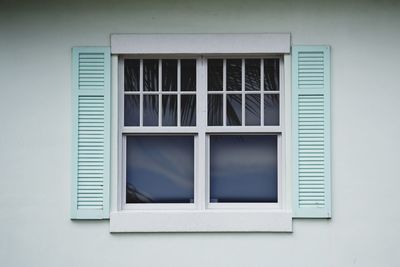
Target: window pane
(271,109)
(150,75)
(234,109)
(188,110)
(131,113)
(252,75)
(159,169)
(150,110)
(214,74)
(253,109)
(215,110)
(234,74)
(169,110)
(188,75)
(271,74)
(132,73)
(169,74)
(243,168)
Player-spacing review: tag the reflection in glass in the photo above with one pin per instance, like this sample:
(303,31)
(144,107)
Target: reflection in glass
(188,75)
(159,169)
(215,110)
(132,73)
(234,74)
(271,74)
(169,110)
(243,168)
(131,110)
(150,75)
(253,114)
(169,74)
(234,109)
(214,74)
(252,75)
(271,109)
(150,110)
(188,110)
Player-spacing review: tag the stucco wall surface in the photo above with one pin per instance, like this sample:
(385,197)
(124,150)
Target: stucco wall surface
(35,133)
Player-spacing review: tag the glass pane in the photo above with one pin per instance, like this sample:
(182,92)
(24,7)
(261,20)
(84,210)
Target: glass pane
(132,73)
(243,168)
(169,74)
(271,74)
(150,75)
(234,109)
(150,110)
(253,114)
(131,113)
(188,110)
(188,75)
(234,74)
(215,110)
(214,74)
(159,169)
(169,110)
(252,75)
(271,109)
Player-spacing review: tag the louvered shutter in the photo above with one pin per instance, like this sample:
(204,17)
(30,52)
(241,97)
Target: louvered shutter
(91,132)
(311,131)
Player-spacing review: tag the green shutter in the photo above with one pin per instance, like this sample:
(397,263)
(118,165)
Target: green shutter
(311,131)
(91,132)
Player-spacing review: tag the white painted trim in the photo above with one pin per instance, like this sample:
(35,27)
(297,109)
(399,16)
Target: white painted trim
(217,43)
(201,221)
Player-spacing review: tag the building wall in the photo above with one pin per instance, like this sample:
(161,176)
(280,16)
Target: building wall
(35,133)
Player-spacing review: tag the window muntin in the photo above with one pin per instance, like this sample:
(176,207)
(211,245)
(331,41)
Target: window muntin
(257,111)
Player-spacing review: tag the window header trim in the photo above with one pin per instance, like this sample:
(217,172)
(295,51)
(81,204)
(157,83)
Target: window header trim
(210,43)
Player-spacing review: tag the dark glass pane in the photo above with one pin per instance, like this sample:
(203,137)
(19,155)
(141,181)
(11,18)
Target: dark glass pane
(271,109)
(150,75)
(169,74)
(214,74)
(271,74)
(252,75)
(132,73)
(243,168)
(131,112)
(253,114)
(159,169)
(188,75)
(169,110)
(234,109)
(188,110)
(234,74)
(215,110)
(150,110)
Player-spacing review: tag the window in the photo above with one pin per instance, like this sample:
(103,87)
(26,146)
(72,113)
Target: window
(201,133)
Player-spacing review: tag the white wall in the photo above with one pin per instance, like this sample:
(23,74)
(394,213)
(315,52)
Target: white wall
(35,134)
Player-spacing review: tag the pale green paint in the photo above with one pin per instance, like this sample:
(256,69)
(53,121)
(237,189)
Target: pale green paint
(101,211)
(318,210)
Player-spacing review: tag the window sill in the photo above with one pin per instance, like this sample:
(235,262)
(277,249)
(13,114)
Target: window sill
(201,221)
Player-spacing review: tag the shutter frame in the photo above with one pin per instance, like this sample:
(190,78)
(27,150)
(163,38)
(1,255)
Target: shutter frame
(311,101)
(91,96)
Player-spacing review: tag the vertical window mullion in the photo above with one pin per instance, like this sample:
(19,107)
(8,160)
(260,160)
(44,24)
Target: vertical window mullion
(178,111)
(141,93)
(243,93)
(159,95)
(224,92)
(262,92)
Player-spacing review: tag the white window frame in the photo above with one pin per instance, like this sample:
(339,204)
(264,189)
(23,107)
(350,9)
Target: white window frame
(201,215)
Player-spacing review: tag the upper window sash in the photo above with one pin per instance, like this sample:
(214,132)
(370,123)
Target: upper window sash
(253,43)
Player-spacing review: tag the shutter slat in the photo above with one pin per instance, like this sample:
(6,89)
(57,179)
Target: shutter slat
(311,131)
(91,98)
